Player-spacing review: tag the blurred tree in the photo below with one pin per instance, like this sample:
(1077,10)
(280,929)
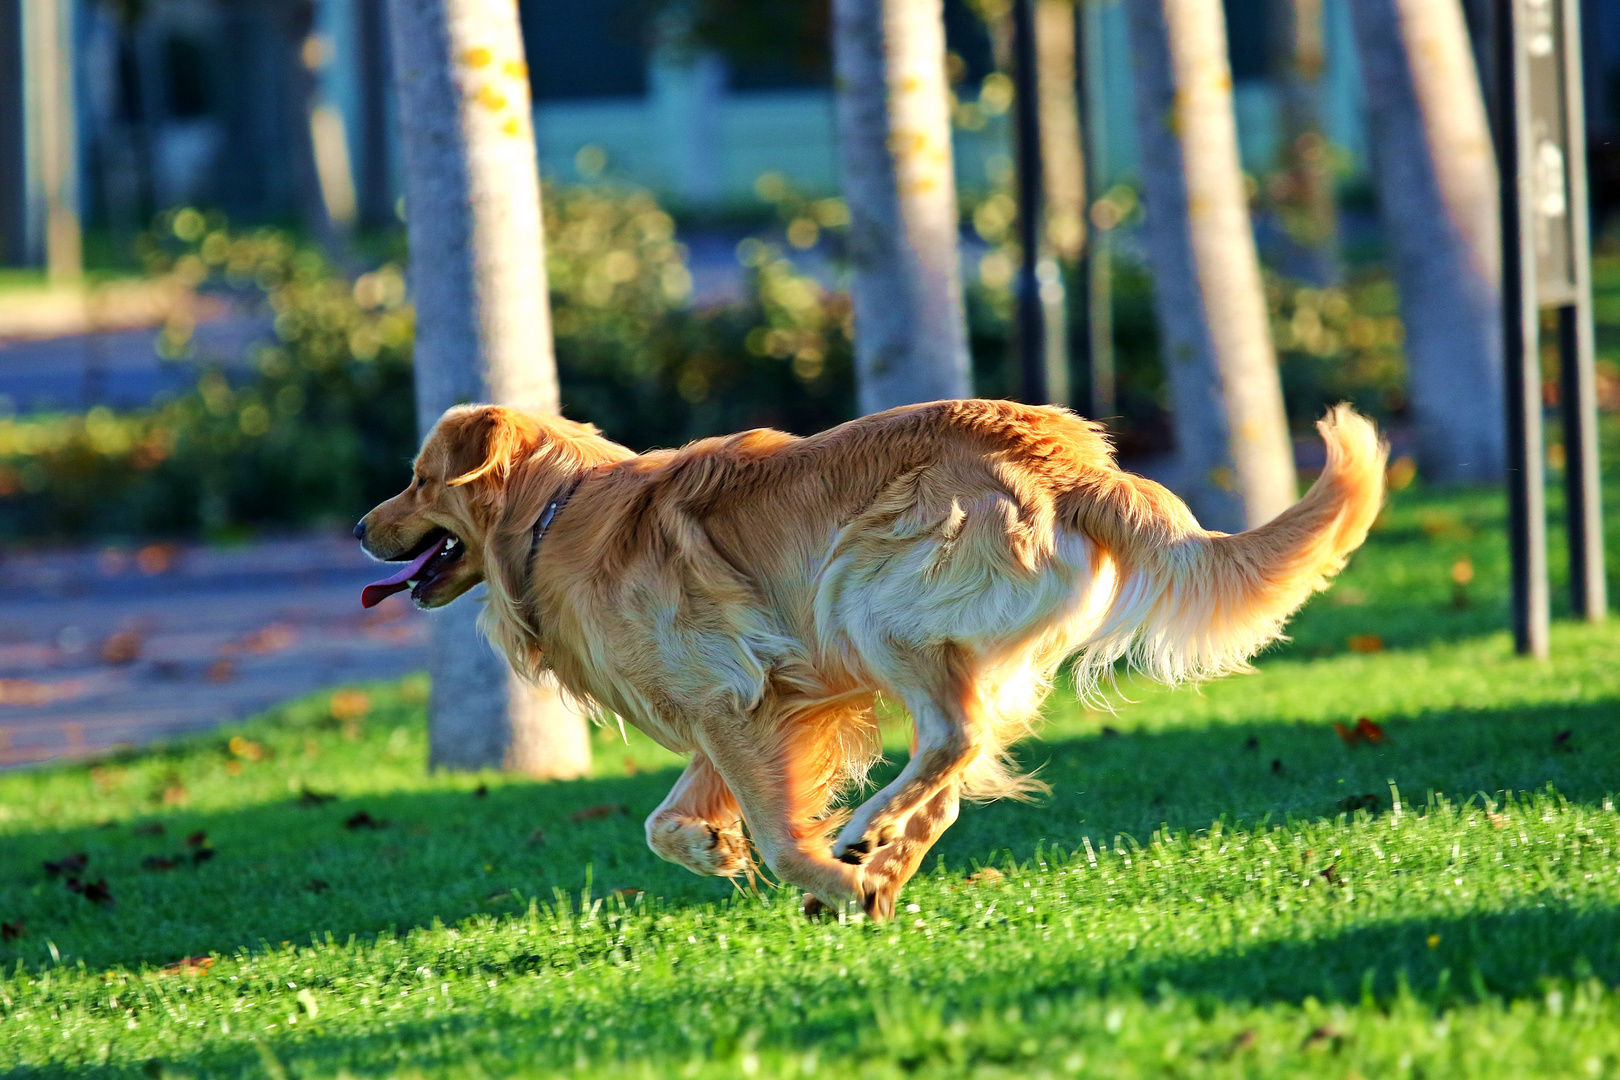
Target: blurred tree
(1301,190)
(1435,172)
(1062,160)
(894,134)
(1225,395)
(483,329)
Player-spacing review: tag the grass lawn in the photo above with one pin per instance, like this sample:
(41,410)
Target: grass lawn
(1219,885)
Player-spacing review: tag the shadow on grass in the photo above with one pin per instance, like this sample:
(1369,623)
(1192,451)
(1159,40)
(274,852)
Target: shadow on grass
(1504,956)
(285,872)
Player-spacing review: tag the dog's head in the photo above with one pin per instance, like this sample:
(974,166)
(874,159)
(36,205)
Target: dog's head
(441,524)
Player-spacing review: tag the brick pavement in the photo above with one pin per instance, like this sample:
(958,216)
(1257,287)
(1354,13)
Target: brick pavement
(106,646)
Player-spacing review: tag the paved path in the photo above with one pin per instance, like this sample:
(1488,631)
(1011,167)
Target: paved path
(101,647)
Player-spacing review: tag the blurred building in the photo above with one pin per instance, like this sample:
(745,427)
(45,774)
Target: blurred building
(276,109)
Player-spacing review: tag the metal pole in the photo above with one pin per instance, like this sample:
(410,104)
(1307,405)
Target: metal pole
(1576,362)
(1527,511)
(1097,272)
(1031,319)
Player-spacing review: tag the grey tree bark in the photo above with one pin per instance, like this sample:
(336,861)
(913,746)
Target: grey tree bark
(1231,430)
(483,329)
(1435,171)
(1062,157)
(895,161)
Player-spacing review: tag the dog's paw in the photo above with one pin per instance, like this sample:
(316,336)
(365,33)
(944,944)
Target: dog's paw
(813,907)
(857,851)
(701,846)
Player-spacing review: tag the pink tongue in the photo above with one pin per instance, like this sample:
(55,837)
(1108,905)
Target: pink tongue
(378,591)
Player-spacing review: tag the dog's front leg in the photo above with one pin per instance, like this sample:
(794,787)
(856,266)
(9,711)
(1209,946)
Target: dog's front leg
(698,825)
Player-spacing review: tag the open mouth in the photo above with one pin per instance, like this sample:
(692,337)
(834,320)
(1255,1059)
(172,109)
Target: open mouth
(437,553)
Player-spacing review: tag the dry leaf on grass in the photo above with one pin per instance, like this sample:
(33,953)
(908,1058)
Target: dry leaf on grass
(596,813)
(94,891)
(157,862)
(123,647)
(191,965)
(363,820)
(988,876)
(11,931)
(67,864)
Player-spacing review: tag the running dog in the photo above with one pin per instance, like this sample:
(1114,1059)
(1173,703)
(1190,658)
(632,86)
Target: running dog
(745,599)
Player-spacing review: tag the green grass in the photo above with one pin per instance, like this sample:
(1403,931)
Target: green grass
(1192,900)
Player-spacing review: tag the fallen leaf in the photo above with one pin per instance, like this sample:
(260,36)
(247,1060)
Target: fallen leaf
(1349,734)
(155,558)
(221,671)
(94,891)
(988,876)
(197,839)
(1350,804)
(537,838)
(1331,874)
(123,647)
(363,820)
(1251,743)
(11,931)
(1110,732)
(272,638)
(309,797)
(480,791)
(1365,643)
(150,828)
(29,692)
(202,855)
(1276,765)
(245,748)
(157,862)
(628,894)
(68,864)
(1370,731)
(1496,819)
(191,965)
(316,885)
(176,795)
(593,813)
(350,705)
(1321,1034)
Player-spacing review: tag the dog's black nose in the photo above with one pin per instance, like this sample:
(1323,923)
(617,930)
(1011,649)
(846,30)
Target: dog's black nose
(360,531)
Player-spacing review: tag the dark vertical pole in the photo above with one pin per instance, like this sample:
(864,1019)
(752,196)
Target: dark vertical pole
(376,204)
(1576,362)
(1527,511)
(1031,319)
(1096,269)
(13,178)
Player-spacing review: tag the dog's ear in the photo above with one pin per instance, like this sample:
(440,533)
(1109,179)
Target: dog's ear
(485,440)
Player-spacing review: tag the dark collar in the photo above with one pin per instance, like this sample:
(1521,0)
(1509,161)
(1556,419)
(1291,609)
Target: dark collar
(548,515)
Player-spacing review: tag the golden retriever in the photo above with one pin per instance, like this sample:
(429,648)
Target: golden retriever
(745,599)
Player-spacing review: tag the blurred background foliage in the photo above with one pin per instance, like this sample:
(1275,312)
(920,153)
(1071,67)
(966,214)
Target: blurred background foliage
(317,424)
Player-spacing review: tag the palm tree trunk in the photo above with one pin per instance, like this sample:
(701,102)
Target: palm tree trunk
(895,158)
(1226,398)
(483,328)
(1437,194)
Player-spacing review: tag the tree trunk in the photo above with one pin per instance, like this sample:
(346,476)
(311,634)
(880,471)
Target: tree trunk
(483,329)
(1062,160)
(1303,187)
(1226,399)
(895,156)
(1437,194)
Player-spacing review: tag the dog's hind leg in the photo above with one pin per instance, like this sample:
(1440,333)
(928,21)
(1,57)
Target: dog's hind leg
(950,735)
(699,825)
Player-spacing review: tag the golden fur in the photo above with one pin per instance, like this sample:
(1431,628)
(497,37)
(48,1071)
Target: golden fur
(744,599)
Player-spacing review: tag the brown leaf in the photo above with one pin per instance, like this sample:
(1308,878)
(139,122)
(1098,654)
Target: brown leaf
(191,965)
(1321,1034)
(157,862)
(1370,731)
(221,671)
(11,931)
(1365,643)
(316,885)
(988,876)
(94,891)
(202,855)
(537,838)
(308,797)
(155,558)
(1331,874)
(197,839)
(363,820)
(176,794)
(594,813)
(628,894)
(272,638)
(480,791)
(1496,819)
(68,864)
(1276,765)
(1349,734)
(350,705)
(123,647)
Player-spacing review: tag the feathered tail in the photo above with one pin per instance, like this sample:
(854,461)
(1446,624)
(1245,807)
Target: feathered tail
(1191,604)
